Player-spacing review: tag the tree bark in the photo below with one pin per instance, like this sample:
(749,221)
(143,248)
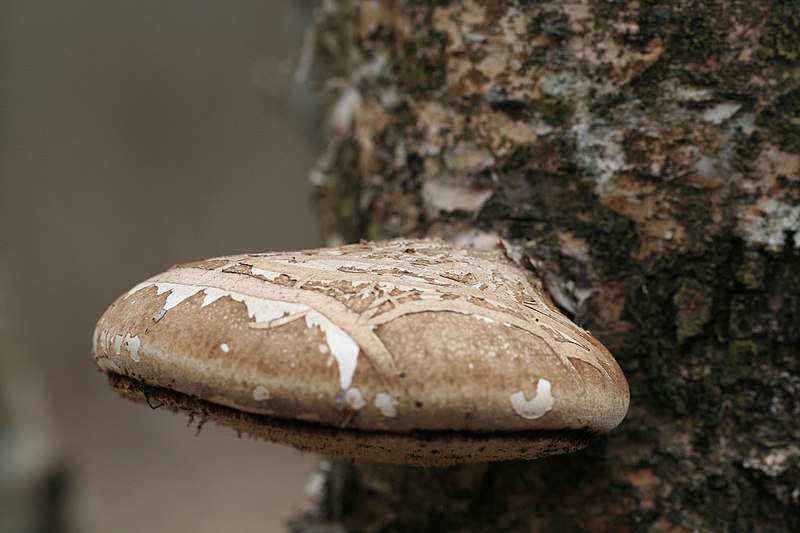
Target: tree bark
(646,155)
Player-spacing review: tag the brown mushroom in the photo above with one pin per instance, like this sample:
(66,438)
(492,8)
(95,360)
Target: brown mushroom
(407,351)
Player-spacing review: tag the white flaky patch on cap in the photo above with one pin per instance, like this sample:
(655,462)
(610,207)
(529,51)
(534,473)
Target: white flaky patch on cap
(260,393)
(118,344)
(537,406)
(386,404)
(354,399)
(132,343)
(177,294)
(263,310)
(102,341)
(343,348)
(268,274)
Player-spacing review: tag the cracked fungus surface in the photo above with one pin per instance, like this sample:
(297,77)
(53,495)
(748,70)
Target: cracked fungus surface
(396,336)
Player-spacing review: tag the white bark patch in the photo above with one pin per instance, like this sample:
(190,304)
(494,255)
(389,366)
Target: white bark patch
(132,343)
(541,128)
(721,112)
(101,346)
(477,239)
(692,94)
(707,167)
(260,393)
(771,227)
(386,404)
(443,197)
(600,152)
(344,110)
(467,158)
(354,399)
(774,463)
(537,406)
(564,85)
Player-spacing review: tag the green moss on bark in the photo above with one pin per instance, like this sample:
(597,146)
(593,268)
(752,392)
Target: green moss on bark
(781,35)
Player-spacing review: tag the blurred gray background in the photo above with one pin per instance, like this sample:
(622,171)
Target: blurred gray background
(135,135)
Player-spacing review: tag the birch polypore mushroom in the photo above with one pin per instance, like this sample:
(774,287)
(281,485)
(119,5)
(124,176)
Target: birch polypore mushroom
(408,351)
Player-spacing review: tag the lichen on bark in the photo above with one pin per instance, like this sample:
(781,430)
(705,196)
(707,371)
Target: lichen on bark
(646,155)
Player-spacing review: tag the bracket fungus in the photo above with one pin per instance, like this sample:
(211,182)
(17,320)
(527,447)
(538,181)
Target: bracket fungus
(406,351)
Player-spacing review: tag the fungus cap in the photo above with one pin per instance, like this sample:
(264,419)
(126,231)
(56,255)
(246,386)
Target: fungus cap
(406,351)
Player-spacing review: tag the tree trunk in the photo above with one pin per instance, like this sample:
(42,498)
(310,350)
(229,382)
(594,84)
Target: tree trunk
(646,155)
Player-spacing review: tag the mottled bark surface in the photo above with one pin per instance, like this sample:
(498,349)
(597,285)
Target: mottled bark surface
(647,156)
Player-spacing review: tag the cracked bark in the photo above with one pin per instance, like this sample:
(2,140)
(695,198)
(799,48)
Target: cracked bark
(648,157)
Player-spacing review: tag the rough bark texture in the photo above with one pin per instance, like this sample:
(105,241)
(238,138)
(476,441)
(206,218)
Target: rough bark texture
(647,157)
